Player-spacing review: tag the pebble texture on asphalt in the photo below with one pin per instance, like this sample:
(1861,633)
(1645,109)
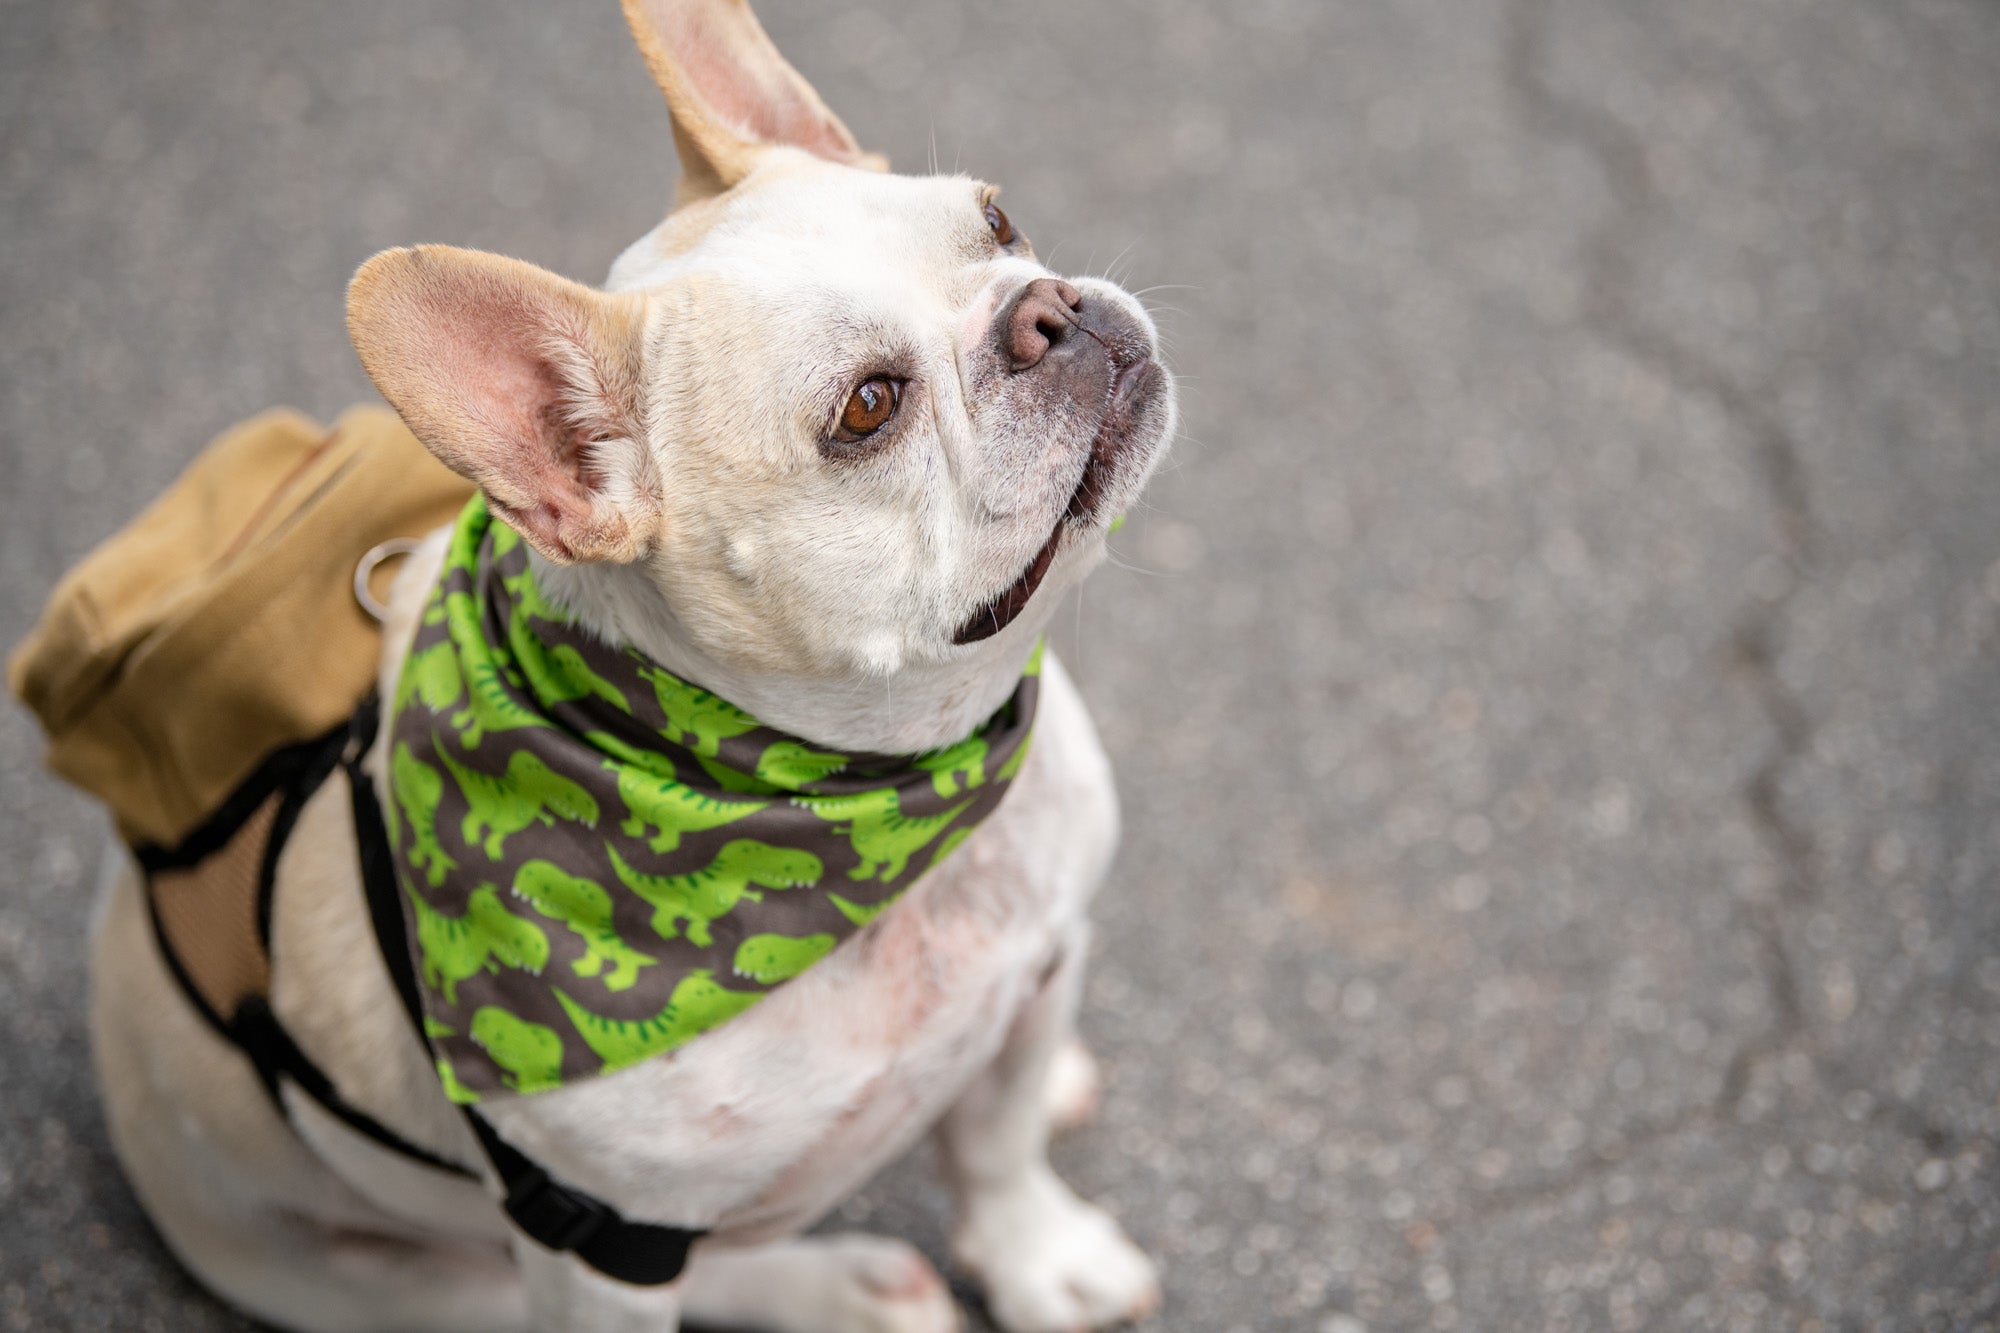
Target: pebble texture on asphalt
(1554,685)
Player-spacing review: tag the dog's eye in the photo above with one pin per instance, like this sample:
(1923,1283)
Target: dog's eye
(869,407)
(1003,230)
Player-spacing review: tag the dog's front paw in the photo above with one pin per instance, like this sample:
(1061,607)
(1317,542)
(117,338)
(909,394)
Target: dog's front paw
(878,1285)
(1052,1263)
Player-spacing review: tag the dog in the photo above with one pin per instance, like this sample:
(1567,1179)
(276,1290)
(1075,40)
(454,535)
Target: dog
(830,443)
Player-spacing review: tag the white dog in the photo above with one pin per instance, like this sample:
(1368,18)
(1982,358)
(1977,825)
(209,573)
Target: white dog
(830,443)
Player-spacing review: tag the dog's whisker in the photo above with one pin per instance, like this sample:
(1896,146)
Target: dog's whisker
(1076,631)
(1112,267)
(1131,568)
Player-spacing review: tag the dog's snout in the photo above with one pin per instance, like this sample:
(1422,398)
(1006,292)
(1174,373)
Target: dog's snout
(1041,317)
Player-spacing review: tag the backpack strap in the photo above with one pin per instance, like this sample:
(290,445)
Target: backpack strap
(554,1215)
(213,927)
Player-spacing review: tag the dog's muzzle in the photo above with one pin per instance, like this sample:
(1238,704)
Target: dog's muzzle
(1086,348)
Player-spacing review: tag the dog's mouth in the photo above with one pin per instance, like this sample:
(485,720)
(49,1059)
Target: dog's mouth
(1134,373)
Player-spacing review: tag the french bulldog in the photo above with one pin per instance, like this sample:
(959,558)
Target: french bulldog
(831,443)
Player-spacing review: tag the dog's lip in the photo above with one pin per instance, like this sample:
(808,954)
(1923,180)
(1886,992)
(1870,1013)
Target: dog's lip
(999,613)
(1077,511)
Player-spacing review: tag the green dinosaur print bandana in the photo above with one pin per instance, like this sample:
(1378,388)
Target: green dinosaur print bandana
(600,860)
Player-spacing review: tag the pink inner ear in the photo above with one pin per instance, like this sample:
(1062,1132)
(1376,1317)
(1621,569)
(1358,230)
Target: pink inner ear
(527,457)
(745,83)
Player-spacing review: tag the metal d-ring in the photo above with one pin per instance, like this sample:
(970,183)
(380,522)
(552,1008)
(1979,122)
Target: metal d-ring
(389,550)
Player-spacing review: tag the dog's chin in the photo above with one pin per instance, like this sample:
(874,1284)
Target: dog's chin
(1120,447)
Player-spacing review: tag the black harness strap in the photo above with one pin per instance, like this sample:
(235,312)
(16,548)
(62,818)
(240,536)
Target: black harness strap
(556,1216)
(257,1030)
(294,774)
(548,1212)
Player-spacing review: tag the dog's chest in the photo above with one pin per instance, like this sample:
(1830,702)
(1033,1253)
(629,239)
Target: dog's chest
(768,1121)
(872,1058)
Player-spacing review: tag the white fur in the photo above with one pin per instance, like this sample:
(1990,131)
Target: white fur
(822,599)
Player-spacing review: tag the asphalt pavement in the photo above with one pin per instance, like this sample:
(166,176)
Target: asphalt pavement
(1555,685)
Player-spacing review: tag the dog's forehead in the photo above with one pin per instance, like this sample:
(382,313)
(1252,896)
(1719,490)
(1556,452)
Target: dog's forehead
(798,220)
(832,219)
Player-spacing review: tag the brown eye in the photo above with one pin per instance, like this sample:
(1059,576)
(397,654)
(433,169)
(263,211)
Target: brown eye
(1003,230)
(869,407)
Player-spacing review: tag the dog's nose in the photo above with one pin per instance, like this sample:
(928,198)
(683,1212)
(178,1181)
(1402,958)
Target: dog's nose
(1042,316)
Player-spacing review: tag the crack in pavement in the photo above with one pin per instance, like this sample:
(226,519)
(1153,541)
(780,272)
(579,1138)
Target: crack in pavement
(1609,267)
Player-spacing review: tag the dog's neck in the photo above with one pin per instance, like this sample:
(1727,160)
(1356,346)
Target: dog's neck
(918,707)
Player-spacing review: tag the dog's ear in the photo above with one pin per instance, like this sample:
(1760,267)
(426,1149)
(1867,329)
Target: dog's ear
(731,93)
(526,383)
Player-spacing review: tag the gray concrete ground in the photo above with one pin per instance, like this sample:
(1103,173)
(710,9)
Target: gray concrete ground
(1555,687)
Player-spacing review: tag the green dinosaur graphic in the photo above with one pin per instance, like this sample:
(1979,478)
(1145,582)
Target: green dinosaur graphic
(565,676)
(947,845)
(696,718)
(727,778)
(883,836)
(488,936)
(531,1054)
(701,896)
(455,1092)
(696,1005)
(419,788)
(775,958)
(790,765)
(527,600)
(456,606)
(462,551)
(583,906)
(1012,767)
(968,757)
(559,672)
(658,801)
(856,913)
(489,707)
(432,676)
(506,805)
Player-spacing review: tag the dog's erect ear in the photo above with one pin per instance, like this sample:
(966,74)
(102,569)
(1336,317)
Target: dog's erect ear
(731,93)
(524,382)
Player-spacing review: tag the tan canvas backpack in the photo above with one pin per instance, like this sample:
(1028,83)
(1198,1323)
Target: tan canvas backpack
(221,624)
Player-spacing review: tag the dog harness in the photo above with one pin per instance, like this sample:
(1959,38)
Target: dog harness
(210,899)
(515,771)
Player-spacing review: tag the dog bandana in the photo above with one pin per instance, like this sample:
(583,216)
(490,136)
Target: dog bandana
(600,860)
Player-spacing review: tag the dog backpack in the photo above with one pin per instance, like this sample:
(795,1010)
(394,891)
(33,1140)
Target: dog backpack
(221,625)
(203,672)
(187,670)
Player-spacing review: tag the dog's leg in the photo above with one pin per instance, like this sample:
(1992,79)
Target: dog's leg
(819,1284)
(233,1191)
(1073,1088)
(311,1279)
(564,1293)
(1048,1260)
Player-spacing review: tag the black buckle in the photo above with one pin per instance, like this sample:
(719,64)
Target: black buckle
(553,1214)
